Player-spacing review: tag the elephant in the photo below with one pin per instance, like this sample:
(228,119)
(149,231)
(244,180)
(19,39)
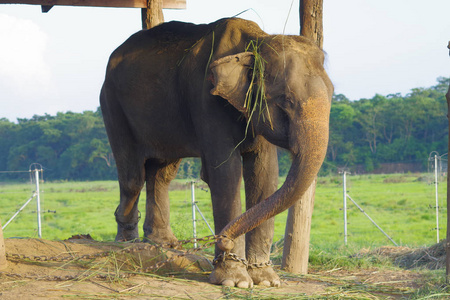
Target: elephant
(228,93)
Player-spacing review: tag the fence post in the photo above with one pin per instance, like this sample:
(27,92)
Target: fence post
(38,202)
(194,221)
(437,197)
(345,206)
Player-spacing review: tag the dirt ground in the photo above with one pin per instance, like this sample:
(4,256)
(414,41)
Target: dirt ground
(81,268)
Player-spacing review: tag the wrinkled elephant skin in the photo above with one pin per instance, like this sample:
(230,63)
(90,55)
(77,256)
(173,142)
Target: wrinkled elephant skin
(179,90)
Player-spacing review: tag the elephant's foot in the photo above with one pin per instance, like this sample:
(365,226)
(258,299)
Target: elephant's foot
(127,230)
(126,235)
(163,237)
(263,274)
(230,273)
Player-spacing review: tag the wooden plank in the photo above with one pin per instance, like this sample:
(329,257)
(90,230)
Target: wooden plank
(171,4)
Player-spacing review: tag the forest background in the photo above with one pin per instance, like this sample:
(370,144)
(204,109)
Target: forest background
(364,134)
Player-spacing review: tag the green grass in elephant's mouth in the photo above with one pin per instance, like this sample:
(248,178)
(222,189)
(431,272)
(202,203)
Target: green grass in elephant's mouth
(256,100)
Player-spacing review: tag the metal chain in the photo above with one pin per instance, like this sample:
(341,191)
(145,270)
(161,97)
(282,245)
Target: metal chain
(229,256)
(67,277)
(43,258)
(209,241)
(125,225)
(260,265)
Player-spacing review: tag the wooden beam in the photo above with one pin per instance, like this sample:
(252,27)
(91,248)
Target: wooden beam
(171,4)
(46,8)
(153,15)
(447,241)
(298,225)
(311,24)
(297,233)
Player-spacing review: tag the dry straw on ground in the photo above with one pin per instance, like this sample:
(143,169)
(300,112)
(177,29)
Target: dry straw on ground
(431,258)
(83,268)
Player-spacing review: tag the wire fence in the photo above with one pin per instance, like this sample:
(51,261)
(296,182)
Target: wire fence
(403,206)
(16,187)
(406,209)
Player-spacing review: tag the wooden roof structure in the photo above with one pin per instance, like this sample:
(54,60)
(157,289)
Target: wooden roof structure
(48,4)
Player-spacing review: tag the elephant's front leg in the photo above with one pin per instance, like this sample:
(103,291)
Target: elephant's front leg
(230,269)
(261,179)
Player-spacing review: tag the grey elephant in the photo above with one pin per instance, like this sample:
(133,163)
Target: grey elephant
(229,93)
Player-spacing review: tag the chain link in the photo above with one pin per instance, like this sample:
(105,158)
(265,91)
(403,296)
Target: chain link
(67,277)
(43,258)
(260,265)
(229,256)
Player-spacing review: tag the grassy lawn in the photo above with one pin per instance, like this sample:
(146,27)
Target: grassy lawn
(402,205)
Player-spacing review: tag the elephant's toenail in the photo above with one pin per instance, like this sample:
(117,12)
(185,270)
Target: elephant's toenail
(243,284)
(264,283)
(228,282)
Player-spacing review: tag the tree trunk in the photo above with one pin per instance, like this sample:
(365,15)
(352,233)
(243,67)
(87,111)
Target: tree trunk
(447,243)
(298,225)
(153,14)
(311,25)
(296,237)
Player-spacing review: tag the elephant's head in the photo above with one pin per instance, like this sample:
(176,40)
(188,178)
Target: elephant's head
(293,114)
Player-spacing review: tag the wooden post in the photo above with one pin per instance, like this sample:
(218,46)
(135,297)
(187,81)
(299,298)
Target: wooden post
(447,242)
(311,20)
(3,263)
(298,225)
(296,236)
(153,14)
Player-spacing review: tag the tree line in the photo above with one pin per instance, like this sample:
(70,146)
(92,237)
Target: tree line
(366,132)
(388,129)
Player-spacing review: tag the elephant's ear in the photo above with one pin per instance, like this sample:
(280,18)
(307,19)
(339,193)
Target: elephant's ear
(230,78)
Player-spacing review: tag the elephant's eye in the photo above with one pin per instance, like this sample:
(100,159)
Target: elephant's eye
(250,75)
(288,102)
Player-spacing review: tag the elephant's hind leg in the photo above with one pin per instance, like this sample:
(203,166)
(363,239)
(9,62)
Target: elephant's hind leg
(130,164)
(127,213)
(157,218)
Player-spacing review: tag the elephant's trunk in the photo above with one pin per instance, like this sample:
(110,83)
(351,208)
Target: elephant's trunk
(309,140)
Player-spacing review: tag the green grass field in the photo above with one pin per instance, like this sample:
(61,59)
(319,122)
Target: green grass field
(402,205)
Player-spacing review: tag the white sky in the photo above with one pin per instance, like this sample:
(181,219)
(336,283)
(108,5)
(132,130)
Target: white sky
(56,61)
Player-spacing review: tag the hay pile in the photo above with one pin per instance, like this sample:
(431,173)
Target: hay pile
(431,258)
